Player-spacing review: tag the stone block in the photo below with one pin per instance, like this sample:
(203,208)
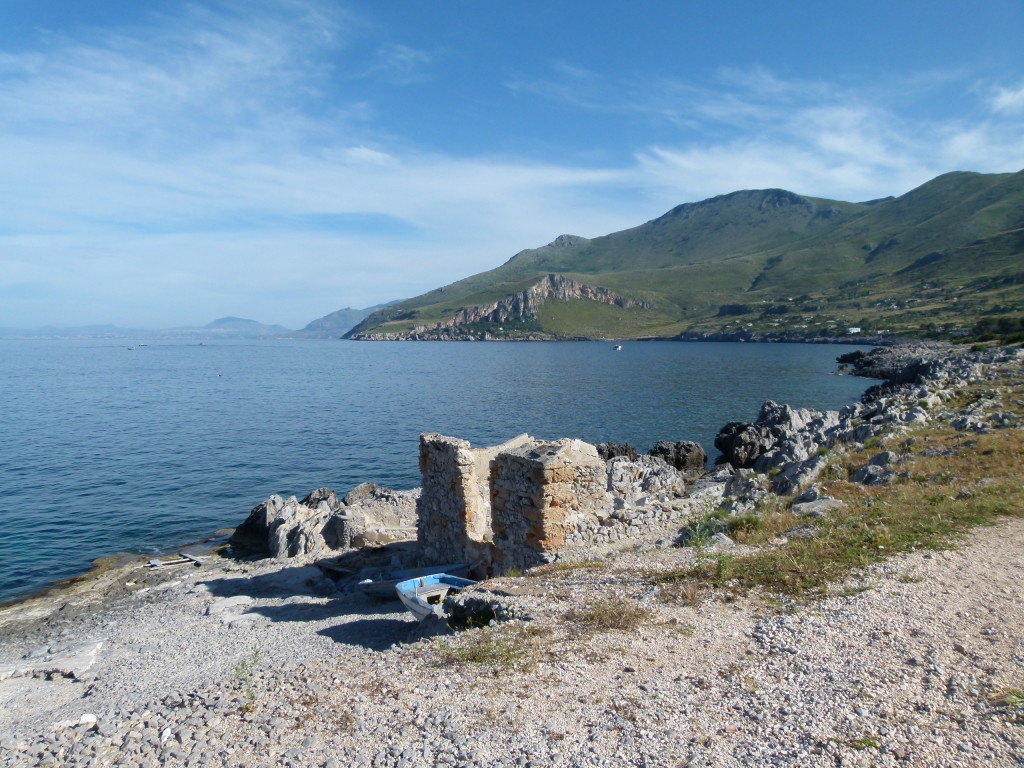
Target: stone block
(564,474)
(553,516)
(552,544)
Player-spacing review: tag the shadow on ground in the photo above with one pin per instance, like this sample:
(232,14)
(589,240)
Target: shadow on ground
(297,594)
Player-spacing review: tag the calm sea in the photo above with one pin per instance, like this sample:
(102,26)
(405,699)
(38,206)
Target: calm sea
(105,448)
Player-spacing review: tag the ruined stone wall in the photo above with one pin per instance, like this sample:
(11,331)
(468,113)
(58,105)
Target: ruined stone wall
(542,494)
(518,504)
(454,509)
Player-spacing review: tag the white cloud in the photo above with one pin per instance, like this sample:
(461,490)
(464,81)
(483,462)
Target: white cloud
(195,170)
(1009,100)
(828,141)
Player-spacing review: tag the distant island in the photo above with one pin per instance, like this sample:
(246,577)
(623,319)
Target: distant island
(945,260)
(331,326)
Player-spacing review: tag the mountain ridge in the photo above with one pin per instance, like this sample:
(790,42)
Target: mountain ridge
(942,254)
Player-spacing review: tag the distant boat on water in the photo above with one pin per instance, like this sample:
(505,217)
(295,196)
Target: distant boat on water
(618,347)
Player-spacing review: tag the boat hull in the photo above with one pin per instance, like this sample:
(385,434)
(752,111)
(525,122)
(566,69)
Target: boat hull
(424,596)
(384,587)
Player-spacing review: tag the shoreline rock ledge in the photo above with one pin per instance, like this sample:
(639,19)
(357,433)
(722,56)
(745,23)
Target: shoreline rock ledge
(367,515)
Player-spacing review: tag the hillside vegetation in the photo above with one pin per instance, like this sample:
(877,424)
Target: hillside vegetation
(945,259)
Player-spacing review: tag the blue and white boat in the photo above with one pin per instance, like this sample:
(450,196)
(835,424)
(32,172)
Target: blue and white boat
(424,595)
(382,586)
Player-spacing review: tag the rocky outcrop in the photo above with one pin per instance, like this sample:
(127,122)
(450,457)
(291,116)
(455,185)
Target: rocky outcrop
(320,522)
(609,451)
(643,481)
(517,307)
(742,443)
(897,364)
(686,456)
(792,447)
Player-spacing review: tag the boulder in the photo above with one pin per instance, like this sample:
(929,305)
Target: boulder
(609,451)
(686,456)
(819,507)
(322,495)
(297,529)
(742,443)
(630,482)
(795,476)
(872,474)
(363,493)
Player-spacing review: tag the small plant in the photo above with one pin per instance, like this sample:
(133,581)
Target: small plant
(243,672)
(714,569)
(482,650)
(1011,700)
(864,742)
(501,649)
(685,592)
(835,469)
(613,613)
(744,524)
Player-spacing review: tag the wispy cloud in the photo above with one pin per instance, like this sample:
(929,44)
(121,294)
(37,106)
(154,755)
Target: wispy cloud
(1009,100)
(816,137)
(236,157)
(401,64)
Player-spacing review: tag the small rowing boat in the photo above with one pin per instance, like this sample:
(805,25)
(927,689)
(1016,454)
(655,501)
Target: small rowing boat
(383,586)
(423,596)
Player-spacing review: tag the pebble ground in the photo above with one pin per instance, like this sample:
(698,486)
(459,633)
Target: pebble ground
(913,664)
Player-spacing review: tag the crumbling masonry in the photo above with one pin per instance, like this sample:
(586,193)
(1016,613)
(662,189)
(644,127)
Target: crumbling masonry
(517,504)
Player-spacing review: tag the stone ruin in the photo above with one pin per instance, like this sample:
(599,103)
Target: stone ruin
(505,507)
(516,505)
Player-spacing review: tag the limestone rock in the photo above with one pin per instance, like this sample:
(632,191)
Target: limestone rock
(685,455)
(646,476)
(362,494)
(742,443)
(817,508)
(320,522)
(872,474)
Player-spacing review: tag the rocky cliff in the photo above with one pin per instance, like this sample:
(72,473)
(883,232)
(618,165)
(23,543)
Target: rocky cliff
(522,306)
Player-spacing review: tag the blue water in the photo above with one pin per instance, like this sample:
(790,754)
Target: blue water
(106,449)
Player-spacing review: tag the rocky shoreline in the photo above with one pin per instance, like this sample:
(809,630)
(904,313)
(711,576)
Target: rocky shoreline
(274,662)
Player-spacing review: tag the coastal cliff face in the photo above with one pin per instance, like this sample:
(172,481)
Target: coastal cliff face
(523,306)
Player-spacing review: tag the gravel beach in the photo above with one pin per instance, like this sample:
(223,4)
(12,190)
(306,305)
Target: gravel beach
(265,664)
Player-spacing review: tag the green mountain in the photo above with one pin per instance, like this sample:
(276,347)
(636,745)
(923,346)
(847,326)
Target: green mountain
(938,260)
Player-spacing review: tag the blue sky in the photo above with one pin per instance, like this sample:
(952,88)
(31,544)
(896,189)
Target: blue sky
(168,163)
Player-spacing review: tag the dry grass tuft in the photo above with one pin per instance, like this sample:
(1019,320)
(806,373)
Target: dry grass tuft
(611,613)
(501,648)
(569,567)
